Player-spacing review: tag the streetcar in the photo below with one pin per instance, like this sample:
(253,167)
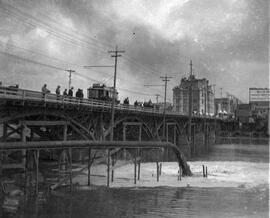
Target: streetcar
(101,92)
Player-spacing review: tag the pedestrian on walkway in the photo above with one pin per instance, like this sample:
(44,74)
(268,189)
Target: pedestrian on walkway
(70,92)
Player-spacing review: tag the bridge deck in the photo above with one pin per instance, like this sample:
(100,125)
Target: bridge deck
(29,97)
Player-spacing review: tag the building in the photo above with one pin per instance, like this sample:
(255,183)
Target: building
(254,116)
(201,94)
(227,105)
(259,99)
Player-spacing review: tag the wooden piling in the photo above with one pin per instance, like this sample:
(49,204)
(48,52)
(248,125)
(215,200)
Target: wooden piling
(89,166)
(70,168)
(180,173)
(139,170)
(135,169)
(160,168)
(203,171)
(112,174)
(37,170)
(108,167)
(157,172)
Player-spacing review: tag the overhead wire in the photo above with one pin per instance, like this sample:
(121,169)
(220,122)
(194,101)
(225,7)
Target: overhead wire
(103,46)
(56,34)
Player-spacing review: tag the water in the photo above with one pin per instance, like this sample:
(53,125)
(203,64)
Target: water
(160,201)
(155,202)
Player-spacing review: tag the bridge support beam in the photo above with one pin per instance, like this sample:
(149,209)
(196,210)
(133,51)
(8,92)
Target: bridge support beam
(98,145)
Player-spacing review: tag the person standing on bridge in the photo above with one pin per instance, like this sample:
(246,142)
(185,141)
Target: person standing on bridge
(70,92)
(44,89)
(65,93)
(57,92)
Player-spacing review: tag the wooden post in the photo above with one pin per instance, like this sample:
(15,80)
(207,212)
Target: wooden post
(89,166)
(192,137)
(1,171)
(37,170)
(157,171)
(124,139)
(1,153)
(70,175)
(206,171)
(108,167)
(24,157)
(139,152)
(180,173)
(203,171)
(139,170)
(160,168)
(112,176)
(135,169)
(24,151)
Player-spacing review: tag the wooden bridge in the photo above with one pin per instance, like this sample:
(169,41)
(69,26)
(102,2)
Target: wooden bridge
(33,117)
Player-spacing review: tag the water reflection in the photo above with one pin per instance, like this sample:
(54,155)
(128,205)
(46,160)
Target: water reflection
(151,202)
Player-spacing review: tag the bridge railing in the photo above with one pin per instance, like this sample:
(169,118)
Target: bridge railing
(14,93)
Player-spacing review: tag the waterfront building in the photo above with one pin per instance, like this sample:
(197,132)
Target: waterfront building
(259,99)
(226,105)
(202,96)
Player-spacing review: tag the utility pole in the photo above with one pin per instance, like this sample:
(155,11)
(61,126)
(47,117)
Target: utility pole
(69,78)
(166,80)
(115,55)
(221,92)
(157,95)
(190,102)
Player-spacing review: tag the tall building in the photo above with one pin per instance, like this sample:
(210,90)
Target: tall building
(201,94)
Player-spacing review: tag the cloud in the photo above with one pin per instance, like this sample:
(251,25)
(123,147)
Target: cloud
(227,40)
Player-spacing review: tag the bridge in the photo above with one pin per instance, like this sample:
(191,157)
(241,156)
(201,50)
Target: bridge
(33,117)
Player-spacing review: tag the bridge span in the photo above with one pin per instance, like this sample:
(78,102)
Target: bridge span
(47,116)
(31,118)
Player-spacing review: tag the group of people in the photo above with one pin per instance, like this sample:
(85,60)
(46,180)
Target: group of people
(68,93)
(144,104)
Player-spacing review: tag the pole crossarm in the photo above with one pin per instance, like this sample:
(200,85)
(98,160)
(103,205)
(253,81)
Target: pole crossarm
(69,81)
(98,145)
(98,66)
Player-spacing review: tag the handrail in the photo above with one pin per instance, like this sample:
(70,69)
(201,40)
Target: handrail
(23,94)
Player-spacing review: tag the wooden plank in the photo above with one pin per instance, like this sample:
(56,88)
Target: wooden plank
(13,166)
(44,123)
(132,123)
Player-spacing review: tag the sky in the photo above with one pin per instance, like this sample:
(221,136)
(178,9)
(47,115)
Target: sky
(227,41)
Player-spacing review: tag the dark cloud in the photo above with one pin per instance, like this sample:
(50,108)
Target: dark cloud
(227,40)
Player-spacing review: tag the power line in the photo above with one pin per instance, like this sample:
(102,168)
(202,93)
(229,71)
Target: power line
(30,20)
(70,38)
(31,61)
